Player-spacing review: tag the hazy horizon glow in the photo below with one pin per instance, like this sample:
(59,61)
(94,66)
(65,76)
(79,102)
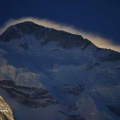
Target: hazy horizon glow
(94,38)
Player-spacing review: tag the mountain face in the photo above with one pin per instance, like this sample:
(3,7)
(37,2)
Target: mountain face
(5,111)
(54,75)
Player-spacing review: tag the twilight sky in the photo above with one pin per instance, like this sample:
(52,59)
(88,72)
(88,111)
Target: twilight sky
(101,17)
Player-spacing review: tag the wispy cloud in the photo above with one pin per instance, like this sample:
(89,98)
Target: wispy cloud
(94,38)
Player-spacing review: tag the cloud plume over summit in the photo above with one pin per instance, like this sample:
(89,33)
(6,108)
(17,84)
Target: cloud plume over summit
(94,38)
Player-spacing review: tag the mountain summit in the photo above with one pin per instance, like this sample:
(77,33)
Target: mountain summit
(65,39)
(56,75)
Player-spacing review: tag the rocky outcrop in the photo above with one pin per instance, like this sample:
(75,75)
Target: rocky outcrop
(112,56)
(72,89)
(31,97)
(5,111)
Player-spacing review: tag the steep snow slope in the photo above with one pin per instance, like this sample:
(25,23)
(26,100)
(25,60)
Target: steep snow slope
(45,71)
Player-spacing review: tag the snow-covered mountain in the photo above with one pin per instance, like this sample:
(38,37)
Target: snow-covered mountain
(54,75)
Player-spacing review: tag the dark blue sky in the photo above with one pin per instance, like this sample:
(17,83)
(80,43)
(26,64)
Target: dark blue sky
(98,16)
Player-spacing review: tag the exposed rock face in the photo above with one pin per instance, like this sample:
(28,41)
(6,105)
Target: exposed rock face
(73,90)
(46,35)
(31,97)
(5,111)
(113,56)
